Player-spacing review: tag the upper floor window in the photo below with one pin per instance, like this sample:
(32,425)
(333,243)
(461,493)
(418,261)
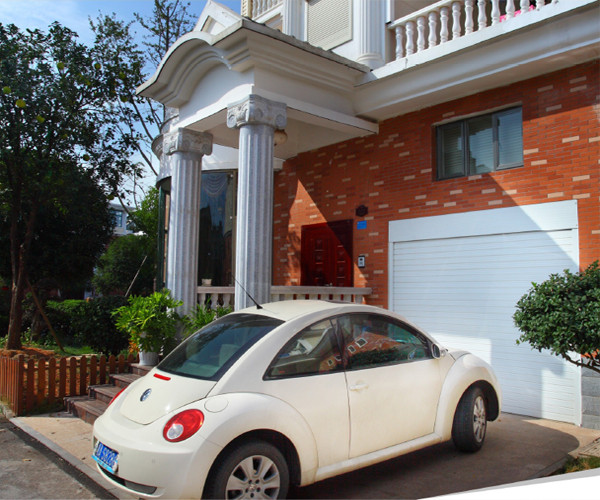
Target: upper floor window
(480,144)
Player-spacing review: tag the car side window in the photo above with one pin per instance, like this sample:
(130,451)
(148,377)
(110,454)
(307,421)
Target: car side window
(371,340)
(314,350)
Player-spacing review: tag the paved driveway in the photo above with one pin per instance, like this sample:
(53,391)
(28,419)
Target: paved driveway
(516,449)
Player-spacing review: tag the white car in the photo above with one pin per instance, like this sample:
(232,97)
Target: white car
(290,393)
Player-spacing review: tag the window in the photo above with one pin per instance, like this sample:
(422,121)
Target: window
(209,353)
(481,144)
(314,350)
(371,340)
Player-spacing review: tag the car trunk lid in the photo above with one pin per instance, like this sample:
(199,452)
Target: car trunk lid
(159,393)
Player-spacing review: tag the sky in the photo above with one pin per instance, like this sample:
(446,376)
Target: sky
(75,15)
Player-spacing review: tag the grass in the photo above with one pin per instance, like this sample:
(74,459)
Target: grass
(580,464)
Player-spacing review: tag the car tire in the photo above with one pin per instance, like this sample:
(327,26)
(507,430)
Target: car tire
(254,469)
(470,421)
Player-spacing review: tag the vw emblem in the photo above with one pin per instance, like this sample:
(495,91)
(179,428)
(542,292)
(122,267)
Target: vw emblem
(145,395)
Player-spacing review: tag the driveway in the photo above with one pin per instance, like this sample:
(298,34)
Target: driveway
(516,449)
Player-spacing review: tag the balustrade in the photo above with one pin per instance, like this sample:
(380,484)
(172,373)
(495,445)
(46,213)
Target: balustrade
(435,22)
(259,7)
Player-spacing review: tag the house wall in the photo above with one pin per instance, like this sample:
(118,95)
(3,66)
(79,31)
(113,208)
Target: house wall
(393,173)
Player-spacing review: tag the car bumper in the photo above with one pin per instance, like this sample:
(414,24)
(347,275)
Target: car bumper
(147,465)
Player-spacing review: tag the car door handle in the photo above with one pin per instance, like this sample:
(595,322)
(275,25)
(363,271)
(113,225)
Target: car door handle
(360,386)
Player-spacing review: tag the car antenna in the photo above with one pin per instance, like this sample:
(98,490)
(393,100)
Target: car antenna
(258,306)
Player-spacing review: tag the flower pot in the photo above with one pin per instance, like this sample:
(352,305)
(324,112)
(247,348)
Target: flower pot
(148,358)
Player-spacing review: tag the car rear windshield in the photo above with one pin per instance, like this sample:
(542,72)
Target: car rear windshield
(209,352)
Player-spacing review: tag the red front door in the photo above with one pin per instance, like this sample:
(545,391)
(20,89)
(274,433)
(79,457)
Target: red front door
(327,254)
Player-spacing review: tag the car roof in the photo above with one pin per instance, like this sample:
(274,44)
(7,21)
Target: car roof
(287,310)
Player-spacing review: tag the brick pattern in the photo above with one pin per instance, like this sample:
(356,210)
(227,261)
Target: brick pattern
(393,173)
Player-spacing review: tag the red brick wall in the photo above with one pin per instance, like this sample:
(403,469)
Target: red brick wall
(393,173)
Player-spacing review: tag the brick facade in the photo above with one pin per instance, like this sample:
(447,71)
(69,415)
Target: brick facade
(393,173)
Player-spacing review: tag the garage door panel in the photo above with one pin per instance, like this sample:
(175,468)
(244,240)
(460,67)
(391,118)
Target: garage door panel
(463,290)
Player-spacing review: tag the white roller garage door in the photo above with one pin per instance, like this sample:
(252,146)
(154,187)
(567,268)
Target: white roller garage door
(459,277)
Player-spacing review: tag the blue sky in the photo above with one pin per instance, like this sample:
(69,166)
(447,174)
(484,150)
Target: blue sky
(75,13)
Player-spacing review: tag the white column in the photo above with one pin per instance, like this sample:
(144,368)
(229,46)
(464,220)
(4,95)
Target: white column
(184,150)
(371,32)
(293,18)
(257,119)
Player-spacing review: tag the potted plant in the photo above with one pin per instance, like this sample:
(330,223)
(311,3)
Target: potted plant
(150,322)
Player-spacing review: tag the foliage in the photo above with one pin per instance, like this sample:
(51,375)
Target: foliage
(580,464)
(56,123)
(88,323)
(563,314)
(201,316)
(140,118)
(145,218)
(117,267)
(150,321)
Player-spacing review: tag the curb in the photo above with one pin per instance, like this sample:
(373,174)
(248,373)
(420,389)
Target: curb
(92,474)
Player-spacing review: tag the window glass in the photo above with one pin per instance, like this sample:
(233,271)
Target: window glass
(481,145)
(510,137)
(314,350)
(451,145)
(209,352)
(372,340)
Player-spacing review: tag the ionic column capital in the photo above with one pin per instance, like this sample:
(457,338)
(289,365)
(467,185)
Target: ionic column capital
(187,141)
(255,109)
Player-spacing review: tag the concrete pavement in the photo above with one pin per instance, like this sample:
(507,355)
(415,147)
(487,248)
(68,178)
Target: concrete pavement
(517,449)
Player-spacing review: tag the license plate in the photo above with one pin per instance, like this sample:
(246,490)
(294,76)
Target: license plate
(106,457)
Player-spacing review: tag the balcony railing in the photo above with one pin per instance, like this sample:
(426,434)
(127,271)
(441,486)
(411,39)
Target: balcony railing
(259,7)
(224,295)
(448,20)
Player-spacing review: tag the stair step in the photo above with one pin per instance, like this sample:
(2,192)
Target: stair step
(138,369)
(122,380)
(85,408)
(104,393)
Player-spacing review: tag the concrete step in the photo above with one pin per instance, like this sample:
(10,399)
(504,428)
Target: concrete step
(122,380)
(104,393)
(85,408)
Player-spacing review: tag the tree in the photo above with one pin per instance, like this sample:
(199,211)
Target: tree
(55,118)
(562,314)
(140,118)
(129,254)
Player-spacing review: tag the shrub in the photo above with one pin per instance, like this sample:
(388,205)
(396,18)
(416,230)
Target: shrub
(562,314)
(201,316)
(98,328)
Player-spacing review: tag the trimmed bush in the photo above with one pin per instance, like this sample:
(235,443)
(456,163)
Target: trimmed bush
(562,314)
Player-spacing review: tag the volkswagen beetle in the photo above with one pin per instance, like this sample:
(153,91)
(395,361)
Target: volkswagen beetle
(291,392)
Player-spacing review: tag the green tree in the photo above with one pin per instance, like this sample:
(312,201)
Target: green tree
(562,314)
(55,118)
(140,118)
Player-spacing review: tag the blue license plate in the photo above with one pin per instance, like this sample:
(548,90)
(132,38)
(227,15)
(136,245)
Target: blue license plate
(106,457)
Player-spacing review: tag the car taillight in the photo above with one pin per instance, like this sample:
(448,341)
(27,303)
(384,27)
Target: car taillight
(117,395)
(183,425)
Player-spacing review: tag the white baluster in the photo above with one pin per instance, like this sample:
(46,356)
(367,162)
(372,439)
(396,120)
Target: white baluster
(420,33)
(456,20)
(469,16)
(524,6)
(399,39)
(433,16)
(482,18)
(444,25)
(410,41)
(510,9)
(539,4)
(495,12)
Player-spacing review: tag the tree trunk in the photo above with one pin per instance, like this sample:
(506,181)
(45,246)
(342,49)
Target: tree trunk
(19,279)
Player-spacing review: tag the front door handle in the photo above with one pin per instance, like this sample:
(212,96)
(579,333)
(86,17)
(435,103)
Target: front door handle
(359,386)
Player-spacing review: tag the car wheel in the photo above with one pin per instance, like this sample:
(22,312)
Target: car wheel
(470,421)
(254,469)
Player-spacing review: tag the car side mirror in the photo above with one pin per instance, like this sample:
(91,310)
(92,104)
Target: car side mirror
(437,351)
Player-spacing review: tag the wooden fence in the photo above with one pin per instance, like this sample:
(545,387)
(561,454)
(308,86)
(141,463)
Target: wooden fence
(31,384)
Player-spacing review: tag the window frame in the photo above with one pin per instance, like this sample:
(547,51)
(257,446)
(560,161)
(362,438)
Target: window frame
(342,346)
(465,145)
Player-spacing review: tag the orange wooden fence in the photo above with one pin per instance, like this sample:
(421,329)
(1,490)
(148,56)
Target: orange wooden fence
(26,385)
